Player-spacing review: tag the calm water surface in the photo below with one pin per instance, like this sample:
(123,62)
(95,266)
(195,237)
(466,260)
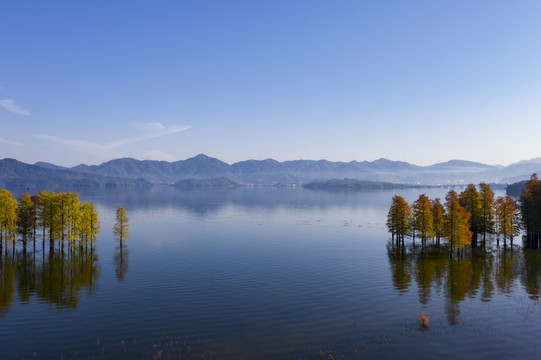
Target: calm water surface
(265,274)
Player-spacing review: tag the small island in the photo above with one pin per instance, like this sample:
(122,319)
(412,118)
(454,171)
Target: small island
(217,183)
(354,184)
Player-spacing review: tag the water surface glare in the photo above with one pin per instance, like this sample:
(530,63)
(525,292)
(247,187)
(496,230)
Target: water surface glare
(265,274)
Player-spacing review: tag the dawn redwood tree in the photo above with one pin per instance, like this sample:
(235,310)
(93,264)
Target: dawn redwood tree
(8,217)
(74,220)
(91,224)
(438,220)
(48,216)
(423,219)
(487,210)
(63,213)
(530,211)
(471,201)
(506,210)
(121,227)
(26,212)
(399,219)
(456,223)
(35,200)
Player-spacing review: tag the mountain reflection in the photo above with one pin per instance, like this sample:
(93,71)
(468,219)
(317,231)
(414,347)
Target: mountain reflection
(52,278)
(210,201)
(483,274)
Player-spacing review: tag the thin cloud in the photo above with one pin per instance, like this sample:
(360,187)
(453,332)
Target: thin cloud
(107,149)
(12,106)
(150,126)
(9,142)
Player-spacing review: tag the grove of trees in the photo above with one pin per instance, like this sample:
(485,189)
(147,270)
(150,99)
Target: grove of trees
(59,218)
(465,218)
(530,209)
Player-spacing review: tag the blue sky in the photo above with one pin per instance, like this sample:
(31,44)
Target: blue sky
(418,81)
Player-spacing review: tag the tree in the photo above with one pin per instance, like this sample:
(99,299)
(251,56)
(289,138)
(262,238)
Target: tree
(26,212)
(399,219)
(438,219)
(530,211)
(506,210)
(74,220)
(121,228)
(487,210)
(63,201)
(91,224)
(456,222)
(8,217)
(48,216)
(471,201)
(423,219)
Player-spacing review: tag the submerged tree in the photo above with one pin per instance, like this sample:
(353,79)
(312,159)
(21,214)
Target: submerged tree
(530,211)
(471,201)
(438,220)
(456,223)
(399,219)
(61,216)
(487,210)
(26,218)
(506,211)
(121,228)
(422,216)
(47,216)
(90,224)
(8,217)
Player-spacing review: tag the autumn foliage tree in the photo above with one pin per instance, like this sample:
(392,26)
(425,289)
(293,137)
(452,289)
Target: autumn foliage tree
(90,224)
(8,217)
(121,227)
(457,227)
(471,201)
(530,211)
(487,210)
(438,220)
(26,218)
(399,219)
(506,215)
(62,217)
(467,215)
(431,219)
(423,218)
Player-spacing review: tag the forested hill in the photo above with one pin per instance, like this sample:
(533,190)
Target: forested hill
(269,171)
(17,175)
(515,189)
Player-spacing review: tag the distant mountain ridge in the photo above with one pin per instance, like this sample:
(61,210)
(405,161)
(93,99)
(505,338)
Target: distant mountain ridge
(269,171)
(18,175)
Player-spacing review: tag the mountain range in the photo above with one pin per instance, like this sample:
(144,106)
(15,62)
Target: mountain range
(127,172)
(20,176)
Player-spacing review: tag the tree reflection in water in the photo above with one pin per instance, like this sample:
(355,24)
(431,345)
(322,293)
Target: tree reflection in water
(477,273)
(53,277)
(120,258)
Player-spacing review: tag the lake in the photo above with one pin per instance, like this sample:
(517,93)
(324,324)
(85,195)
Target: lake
(270,273)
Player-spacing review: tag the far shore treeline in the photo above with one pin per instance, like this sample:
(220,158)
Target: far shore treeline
(60,218)
(466,218)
